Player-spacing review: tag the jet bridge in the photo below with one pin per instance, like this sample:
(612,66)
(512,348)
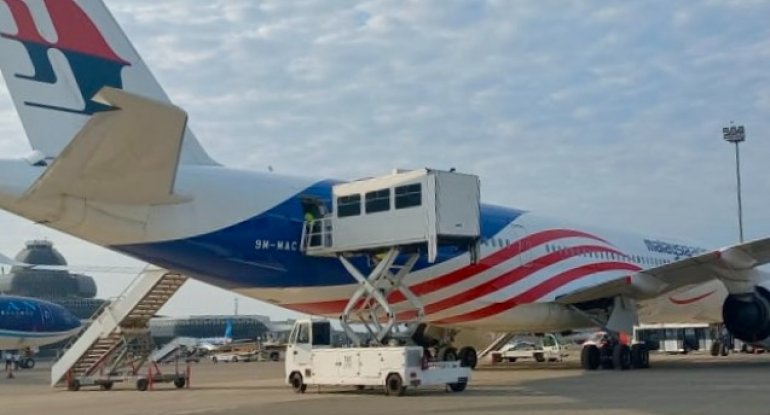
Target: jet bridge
(392,220)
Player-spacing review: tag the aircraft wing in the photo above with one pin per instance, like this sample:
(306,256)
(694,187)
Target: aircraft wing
(127,155)
(727,264)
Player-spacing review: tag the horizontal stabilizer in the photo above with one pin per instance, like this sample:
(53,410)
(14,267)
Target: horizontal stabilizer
(126,155)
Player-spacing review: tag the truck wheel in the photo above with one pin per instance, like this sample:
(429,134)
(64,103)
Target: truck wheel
(394,385)
(621,357)
(141,384)
(469,357)
(539,357)
(297,383)
(458,387)
(590,357)
(275,356)
(179,382)
(74,385)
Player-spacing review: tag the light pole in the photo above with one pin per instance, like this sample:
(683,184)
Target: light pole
(736,135)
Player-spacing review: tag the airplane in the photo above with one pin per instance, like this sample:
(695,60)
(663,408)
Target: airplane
(28,323)
(113,162)
(213,343)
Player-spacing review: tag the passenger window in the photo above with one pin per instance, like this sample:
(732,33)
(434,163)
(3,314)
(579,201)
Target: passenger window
(408,196)
(378,201)
(348,206)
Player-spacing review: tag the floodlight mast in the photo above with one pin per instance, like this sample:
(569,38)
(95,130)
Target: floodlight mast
(737,135)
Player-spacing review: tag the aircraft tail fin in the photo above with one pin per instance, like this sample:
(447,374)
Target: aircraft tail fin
(229,331)
(55,55)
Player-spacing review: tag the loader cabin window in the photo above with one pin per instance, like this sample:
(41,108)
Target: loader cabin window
(322,333)
(408,196)
(348,206)
(300,334)
(378,201)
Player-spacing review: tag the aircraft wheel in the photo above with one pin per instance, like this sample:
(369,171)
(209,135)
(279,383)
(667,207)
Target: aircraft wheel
(715,346)
(469,357)
(590,357)
(640,356)
(621,357)
(449,354)
(394,385)
(723,349)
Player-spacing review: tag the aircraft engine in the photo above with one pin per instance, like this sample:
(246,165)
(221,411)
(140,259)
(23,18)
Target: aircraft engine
(747,316)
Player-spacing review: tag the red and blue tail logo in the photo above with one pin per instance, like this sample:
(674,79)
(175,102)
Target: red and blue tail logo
(93,62)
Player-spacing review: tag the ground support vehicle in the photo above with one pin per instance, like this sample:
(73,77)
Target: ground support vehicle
(311,360)
(548,348)
(180,378)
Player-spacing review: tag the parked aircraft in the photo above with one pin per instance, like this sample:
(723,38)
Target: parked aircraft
(213,343)
(31,323)
(114,163)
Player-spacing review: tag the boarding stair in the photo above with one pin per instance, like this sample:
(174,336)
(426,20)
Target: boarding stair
(118,341)
(173,348)
(497,344)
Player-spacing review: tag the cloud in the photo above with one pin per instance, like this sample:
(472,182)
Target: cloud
(599,114)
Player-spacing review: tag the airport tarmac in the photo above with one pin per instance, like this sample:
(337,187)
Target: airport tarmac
(676,385)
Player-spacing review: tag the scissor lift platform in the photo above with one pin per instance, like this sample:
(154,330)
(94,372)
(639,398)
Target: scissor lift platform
(393,220)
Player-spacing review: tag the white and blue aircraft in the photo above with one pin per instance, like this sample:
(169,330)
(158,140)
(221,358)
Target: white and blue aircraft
(114,163)
(31,323)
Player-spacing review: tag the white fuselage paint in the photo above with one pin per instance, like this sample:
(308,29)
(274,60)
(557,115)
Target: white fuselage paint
(219,197)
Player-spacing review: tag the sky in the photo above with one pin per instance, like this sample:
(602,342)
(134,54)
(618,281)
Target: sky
(603,113)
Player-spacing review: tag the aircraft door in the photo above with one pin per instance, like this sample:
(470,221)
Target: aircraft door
(519,235)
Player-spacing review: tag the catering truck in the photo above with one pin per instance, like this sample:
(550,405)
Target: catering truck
(312,360)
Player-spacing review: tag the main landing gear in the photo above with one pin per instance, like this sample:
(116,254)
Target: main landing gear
(612,354)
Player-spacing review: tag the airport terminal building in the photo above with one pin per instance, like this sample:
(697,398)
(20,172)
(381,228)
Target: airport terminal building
(76,292)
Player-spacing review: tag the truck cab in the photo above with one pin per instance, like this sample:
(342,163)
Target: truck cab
(305,336)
